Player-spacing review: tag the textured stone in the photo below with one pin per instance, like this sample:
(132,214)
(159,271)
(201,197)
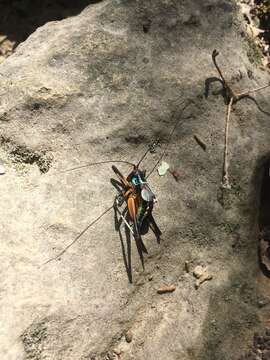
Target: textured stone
(99,86)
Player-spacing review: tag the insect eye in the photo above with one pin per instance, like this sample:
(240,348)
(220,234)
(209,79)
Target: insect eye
(135,181)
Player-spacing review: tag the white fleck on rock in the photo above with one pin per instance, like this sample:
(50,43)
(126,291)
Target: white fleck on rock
(2,170)
(163,168)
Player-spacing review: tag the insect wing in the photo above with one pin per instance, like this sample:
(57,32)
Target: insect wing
(147,193)
(132,208)
(140,245)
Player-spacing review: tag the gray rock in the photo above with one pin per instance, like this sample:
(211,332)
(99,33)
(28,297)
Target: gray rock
(101,86)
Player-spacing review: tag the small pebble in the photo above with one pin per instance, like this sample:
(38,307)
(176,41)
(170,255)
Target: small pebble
(202,275)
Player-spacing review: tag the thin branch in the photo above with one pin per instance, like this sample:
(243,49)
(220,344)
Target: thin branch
(215,53)
(225,180)
(78,236)
(233,98)
(240,96)
(199,142)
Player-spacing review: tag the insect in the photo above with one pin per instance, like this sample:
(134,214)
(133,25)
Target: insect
(140,199)
(135,192)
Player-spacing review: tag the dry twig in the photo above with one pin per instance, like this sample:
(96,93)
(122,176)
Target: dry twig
(200,142)
(232,98)
(166,289)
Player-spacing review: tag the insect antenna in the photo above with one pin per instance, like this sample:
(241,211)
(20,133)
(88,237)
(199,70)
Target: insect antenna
(168,143)
(98,163)
(78,236)
(151,148)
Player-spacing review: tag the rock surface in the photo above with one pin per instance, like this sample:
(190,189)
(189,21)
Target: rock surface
(101,86)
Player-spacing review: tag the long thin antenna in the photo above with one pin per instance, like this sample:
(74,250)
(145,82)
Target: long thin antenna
(151,147)
(98,163)
(144,155)
(78,236)
(168,143)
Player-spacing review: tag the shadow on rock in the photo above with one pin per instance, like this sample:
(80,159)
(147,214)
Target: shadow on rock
(21,18)
(234,308)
